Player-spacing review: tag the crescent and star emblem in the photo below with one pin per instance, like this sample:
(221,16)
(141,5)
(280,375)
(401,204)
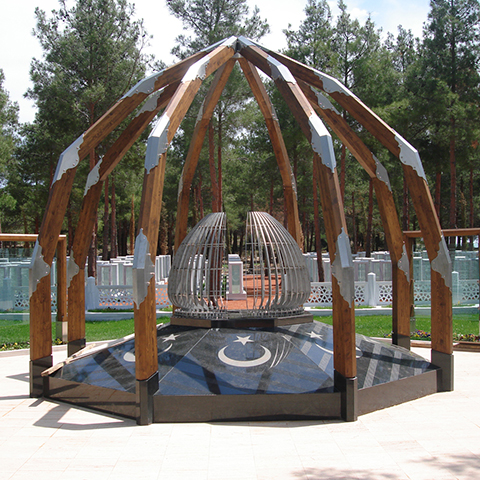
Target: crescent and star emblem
(244,363)
(316,335)
(130,356)
(358,352)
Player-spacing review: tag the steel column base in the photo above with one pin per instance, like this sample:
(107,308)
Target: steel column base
(401,340)
(348,388)
(39,384)
(75,346)
(445,372)
(145,389)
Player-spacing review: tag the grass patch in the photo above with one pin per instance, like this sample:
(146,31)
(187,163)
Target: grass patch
(381,325)
(16,334)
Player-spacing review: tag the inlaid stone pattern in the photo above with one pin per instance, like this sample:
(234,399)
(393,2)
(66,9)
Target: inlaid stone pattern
(222,361)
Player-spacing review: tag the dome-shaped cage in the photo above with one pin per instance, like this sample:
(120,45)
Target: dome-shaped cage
(272,279)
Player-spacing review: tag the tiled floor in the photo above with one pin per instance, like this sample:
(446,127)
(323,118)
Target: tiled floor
(436,437)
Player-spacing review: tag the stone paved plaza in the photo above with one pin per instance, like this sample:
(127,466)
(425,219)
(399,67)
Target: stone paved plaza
(433,438)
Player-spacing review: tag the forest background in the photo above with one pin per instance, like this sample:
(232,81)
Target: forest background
(426,88)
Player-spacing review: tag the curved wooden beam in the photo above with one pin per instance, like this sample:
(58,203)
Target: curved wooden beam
(86,221)
(271,120)
(441,278)
(335,225)
(146,362)
(60,193)
(388,211)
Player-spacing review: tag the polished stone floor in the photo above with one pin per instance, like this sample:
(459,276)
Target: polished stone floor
(222,361)
(433,438)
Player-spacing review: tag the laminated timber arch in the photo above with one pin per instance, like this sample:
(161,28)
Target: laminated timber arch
(174,89)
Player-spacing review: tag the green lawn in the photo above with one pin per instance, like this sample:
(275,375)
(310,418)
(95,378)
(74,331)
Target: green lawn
(16,334)
(381,325)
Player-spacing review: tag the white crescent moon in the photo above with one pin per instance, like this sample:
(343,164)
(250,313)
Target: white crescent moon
(324,349)
(130,357)
(245,363)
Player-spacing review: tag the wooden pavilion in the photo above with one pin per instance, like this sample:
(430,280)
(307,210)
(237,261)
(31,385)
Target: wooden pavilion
(306,92)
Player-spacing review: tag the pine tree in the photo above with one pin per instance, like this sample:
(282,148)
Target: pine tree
(451,54)
(92,56)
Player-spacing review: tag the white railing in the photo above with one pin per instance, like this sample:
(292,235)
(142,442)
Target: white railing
(15,293)
(375,293)
(118,297)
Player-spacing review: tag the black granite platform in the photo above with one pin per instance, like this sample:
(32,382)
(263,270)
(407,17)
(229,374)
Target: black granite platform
(202,371)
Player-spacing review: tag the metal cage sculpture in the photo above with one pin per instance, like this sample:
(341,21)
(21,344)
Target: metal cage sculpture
(276,276)
(196,276)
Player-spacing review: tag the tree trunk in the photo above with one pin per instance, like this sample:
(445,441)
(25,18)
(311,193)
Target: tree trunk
(162,246)
(438,198)
(25,228)
(211,164)
(106,218)
(304,224)
(200,198)
(69,228)
(132,227)
(463,213)
(470,223)
(453,182)
(92,254)
(405,217)
(343,157)
(171,236)
(316,223)
(114,235)
(219,161)
(270,209)
(471,198)
(354,224)
(368,246)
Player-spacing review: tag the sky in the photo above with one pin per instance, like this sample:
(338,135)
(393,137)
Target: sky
(18,46)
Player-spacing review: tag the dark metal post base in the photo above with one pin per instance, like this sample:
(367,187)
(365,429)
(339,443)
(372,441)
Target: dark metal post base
(349,396)
(145,389)
(75,346)
(401,340)
(39,384)
(445,373)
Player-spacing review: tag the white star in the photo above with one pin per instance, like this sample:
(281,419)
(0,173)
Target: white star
(243,340)
(170,338)
(315,335)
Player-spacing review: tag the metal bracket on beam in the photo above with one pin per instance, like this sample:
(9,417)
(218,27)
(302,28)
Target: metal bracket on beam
(143,269)
(442,263)
(157,143)
(38,268)
(342,268)
(68,159)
